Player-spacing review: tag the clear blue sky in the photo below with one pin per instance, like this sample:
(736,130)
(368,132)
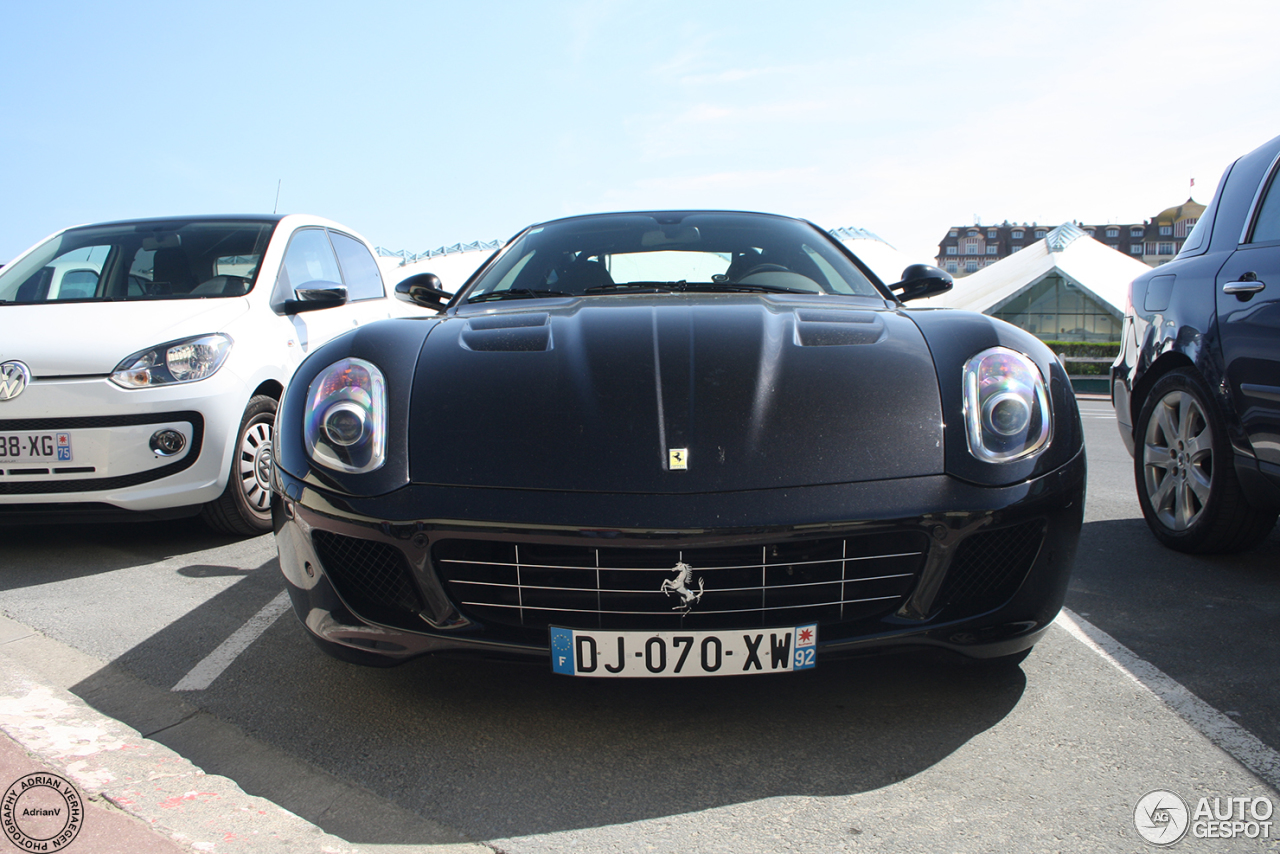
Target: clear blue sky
(421,124)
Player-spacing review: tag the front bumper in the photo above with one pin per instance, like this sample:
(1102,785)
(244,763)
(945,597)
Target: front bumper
(112,466)
(919,562)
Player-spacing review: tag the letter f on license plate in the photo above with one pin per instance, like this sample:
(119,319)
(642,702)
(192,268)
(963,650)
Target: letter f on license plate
(579,652)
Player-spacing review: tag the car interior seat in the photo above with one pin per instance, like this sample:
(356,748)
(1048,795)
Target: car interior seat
(171,267)
(36,288)
(582,275)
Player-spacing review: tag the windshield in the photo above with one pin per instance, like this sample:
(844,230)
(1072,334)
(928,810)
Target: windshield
(176,259)
(670,252)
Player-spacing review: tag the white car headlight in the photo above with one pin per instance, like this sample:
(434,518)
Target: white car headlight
(346,421)
(1006,407)
(184,361)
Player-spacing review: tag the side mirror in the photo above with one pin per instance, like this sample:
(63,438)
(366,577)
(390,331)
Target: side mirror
(315,296)
(424,290)
(922,280)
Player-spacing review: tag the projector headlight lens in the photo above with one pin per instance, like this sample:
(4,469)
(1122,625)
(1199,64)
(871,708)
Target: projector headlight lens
(1006,406)
(346,420)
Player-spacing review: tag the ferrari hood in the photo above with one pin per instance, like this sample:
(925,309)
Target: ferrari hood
(674,393)
(91,338)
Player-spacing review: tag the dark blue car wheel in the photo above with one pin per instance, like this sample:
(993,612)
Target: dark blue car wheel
(1187,485)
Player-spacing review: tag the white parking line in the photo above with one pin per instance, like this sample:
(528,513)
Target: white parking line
(1217,727)
(209,669)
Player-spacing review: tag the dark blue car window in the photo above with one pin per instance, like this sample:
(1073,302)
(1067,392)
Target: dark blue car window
(1266,227)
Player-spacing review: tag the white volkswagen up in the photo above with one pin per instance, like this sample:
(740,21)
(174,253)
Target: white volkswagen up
(141,361)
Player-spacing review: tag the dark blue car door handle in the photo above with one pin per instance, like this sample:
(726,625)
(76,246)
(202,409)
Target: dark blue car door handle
(1247,284)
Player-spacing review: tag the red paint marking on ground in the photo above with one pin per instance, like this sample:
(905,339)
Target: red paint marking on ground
(177,800)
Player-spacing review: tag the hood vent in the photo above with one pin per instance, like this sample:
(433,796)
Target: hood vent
(835,328)
(513,333)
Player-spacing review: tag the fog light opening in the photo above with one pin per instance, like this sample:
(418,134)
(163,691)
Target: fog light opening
(166,443)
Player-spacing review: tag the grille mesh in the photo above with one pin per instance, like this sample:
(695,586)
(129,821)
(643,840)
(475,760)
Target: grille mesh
(989,566)
(371,577)
(532,586)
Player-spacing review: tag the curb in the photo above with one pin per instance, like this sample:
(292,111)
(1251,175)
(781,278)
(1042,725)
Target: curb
(107,760)
(115,767)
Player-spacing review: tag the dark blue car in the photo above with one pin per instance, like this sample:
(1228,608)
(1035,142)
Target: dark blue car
(1196,387)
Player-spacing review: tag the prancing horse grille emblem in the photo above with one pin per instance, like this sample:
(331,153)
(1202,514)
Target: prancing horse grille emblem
(680,586)
(14,377)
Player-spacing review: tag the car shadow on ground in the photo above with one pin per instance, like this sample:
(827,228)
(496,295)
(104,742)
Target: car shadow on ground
(1212,622)
(36,554)
(496,749)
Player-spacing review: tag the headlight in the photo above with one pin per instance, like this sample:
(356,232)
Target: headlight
(184,361)
(1006,408)
(346,427)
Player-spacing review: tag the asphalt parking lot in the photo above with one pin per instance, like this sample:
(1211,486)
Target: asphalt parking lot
(888,754)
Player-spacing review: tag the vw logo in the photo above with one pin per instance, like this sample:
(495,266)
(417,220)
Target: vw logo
(14,377)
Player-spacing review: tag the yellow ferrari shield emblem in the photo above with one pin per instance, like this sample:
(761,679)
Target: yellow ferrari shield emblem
(678,459)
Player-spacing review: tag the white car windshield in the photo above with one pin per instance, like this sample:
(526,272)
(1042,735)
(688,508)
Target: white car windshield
(148,260)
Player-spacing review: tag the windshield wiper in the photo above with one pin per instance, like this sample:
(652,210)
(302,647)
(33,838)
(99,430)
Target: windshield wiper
(638,287)
(515,293)
(742,287)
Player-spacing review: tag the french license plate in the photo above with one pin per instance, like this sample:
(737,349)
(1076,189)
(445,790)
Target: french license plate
(35,447)
(588,652)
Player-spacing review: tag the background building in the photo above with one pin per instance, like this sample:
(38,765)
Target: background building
(969,248)
(1066,286)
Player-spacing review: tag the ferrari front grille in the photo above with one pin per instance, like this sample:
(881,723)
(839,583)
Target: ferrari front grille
(535,585)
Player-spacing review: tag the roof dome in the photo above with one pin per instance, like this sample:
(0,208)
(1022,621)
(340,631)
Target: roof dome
(1187,210)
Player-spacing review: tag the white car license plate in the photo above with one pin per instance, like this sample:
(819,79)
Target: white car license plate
(588,652)
(35,447)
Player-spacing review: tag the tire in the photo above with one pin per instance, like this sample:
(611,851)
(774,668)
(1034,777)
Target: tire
(244,508)
(1183,468)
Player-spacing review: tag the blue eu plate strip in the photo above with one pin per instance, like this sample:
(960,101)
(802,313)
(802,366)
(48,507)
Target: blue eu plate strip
(562,651)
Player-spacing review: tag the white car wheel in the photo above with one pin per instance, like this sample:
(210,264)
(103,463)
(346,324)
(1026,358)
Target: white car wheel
(244,508)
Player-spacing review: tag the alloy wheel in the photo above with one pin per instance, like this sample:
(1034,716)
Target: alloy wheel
(1177,460)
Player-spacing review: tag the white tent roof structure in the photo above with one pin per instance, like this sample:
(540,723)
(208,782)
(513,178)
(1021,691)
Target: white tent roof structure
(453,264)
(883,259)
(1096,269)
